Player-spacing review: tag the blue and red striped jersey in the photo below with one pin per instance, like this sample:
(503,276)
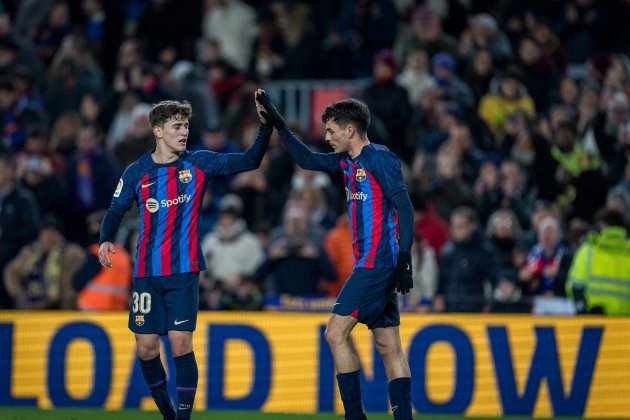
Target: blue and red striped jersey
(371,179)
(169,198)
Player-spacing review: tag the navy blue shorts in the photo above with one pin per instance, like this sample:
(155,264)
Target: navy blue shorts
(162,304)
(369,296)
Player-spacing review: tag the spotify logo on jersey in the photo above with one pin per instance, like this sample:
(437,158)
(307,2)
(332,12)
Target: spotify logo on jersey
(152,205)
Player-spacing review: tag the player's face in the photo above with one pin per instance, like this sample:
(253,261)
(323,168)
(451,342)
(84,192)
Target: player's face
(174,134)
(337,137)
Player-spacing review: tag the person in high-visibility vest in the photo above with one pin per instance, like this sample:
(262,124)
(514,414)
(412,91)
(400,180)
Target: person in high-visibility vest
(99,288)
(106,289)
(599,278)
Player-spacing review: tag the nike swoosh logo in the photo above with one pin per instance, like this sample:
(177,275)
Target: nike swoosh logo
(176,322)
(408,268)
(147,185)
(337,303)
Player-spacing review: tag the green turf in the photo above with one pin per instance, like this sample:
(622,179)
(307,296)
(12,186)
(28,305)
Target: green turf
(98,414)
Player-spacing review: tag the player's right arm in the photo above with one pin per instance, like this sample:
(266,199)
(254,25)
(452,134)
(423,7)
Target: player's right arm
(300,153)
(121,202)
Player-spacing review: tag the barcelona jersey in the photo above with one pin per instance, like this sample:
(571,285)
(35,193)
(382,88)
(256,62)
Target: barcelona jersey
(370,179)
(169,198)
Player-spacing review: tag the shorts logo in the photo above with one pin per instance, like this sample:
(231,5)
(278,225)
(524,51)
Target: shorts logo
(360,175)
(139,320)
(118,188)
(152,205)
(185,176)
(183,407)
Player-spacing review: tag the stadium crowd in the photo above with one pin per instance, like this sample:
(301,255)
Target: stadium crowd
(511,117)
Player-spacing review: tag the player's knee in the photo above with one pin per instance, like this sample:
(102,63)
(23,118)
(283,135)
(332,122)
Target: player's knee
(334,336)
(386,346)
(147,351)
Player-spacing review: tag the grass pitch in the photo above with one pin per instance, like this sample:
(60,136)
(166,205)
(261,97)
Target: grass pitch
(99,414)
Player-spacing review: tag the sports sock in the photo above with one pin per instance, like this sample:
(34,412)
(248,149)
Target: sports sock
(155,376)
(400,398)
(350,391)
(186,379)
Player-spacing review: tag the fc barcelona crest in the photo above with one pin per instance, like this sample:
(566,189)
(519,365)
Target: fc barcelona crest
(360,175)
(139,320)
(185,176)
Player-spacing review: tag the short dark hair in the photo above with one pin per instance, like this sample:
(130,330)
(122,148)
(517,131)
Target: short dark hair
(348,111)
(165,110)
(609,217)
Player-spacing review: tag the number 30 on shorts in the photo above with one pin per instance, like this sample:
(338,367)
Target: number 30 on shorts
(141,302)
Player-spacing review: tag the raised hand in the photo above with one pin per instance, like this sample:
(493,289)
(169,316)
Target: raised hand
(269,111)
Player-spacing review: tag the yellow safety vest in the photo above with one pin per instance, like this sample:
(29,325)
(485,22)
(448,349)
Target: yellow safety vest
(602,267)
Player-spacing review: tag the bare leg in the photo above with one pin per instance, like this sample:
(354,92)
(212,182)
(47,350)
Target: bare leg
(398,374)
(389,347)
(338,337)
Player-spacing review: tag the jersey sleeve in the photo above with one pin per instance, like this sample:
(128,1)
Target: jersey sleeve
(388,173)
(212,163)
(122,200)
(306,158)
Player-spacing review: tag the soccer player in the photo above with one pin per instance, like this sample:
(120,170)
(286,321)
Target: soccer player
(379,209)
(168,183)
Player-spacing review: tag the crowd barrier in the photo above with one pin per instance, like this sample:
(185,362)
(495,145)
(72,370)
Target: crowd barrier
(481,365)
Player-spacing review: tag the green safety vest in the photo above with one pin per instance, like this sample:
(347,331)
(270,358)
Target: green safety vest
(602,267)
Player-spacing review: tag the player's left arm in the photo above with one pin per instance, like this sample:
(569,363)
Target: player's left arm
(388,173)
(251,158)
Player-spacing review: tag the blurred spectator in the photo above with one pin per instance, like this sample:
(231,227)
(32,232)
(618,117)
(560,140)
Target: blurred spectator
(425,33)
(170,24)
(539,76)
(445,75)
(91,175)
(232,23)
(503,229)
(230,249)
(545,271)
(449,189)
(578,174)
(41,170)
(49,35)
(184,82)
(428,225)
(599,278)
(582,28)
(483,33)
(99,288)
(19,220)
(510,193)
(415,76)
(338,246)
(103,34)
(552,49)
(389,105)
(73,73)
(425,276)
(63,133)
(368,26)
(300,55)
(40,276)
(242,293)
(467,266)
(611,136)
(295,264)
(508,97)
(137,138)
(16,116)
(479,73)
(507,296)
(19,51)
